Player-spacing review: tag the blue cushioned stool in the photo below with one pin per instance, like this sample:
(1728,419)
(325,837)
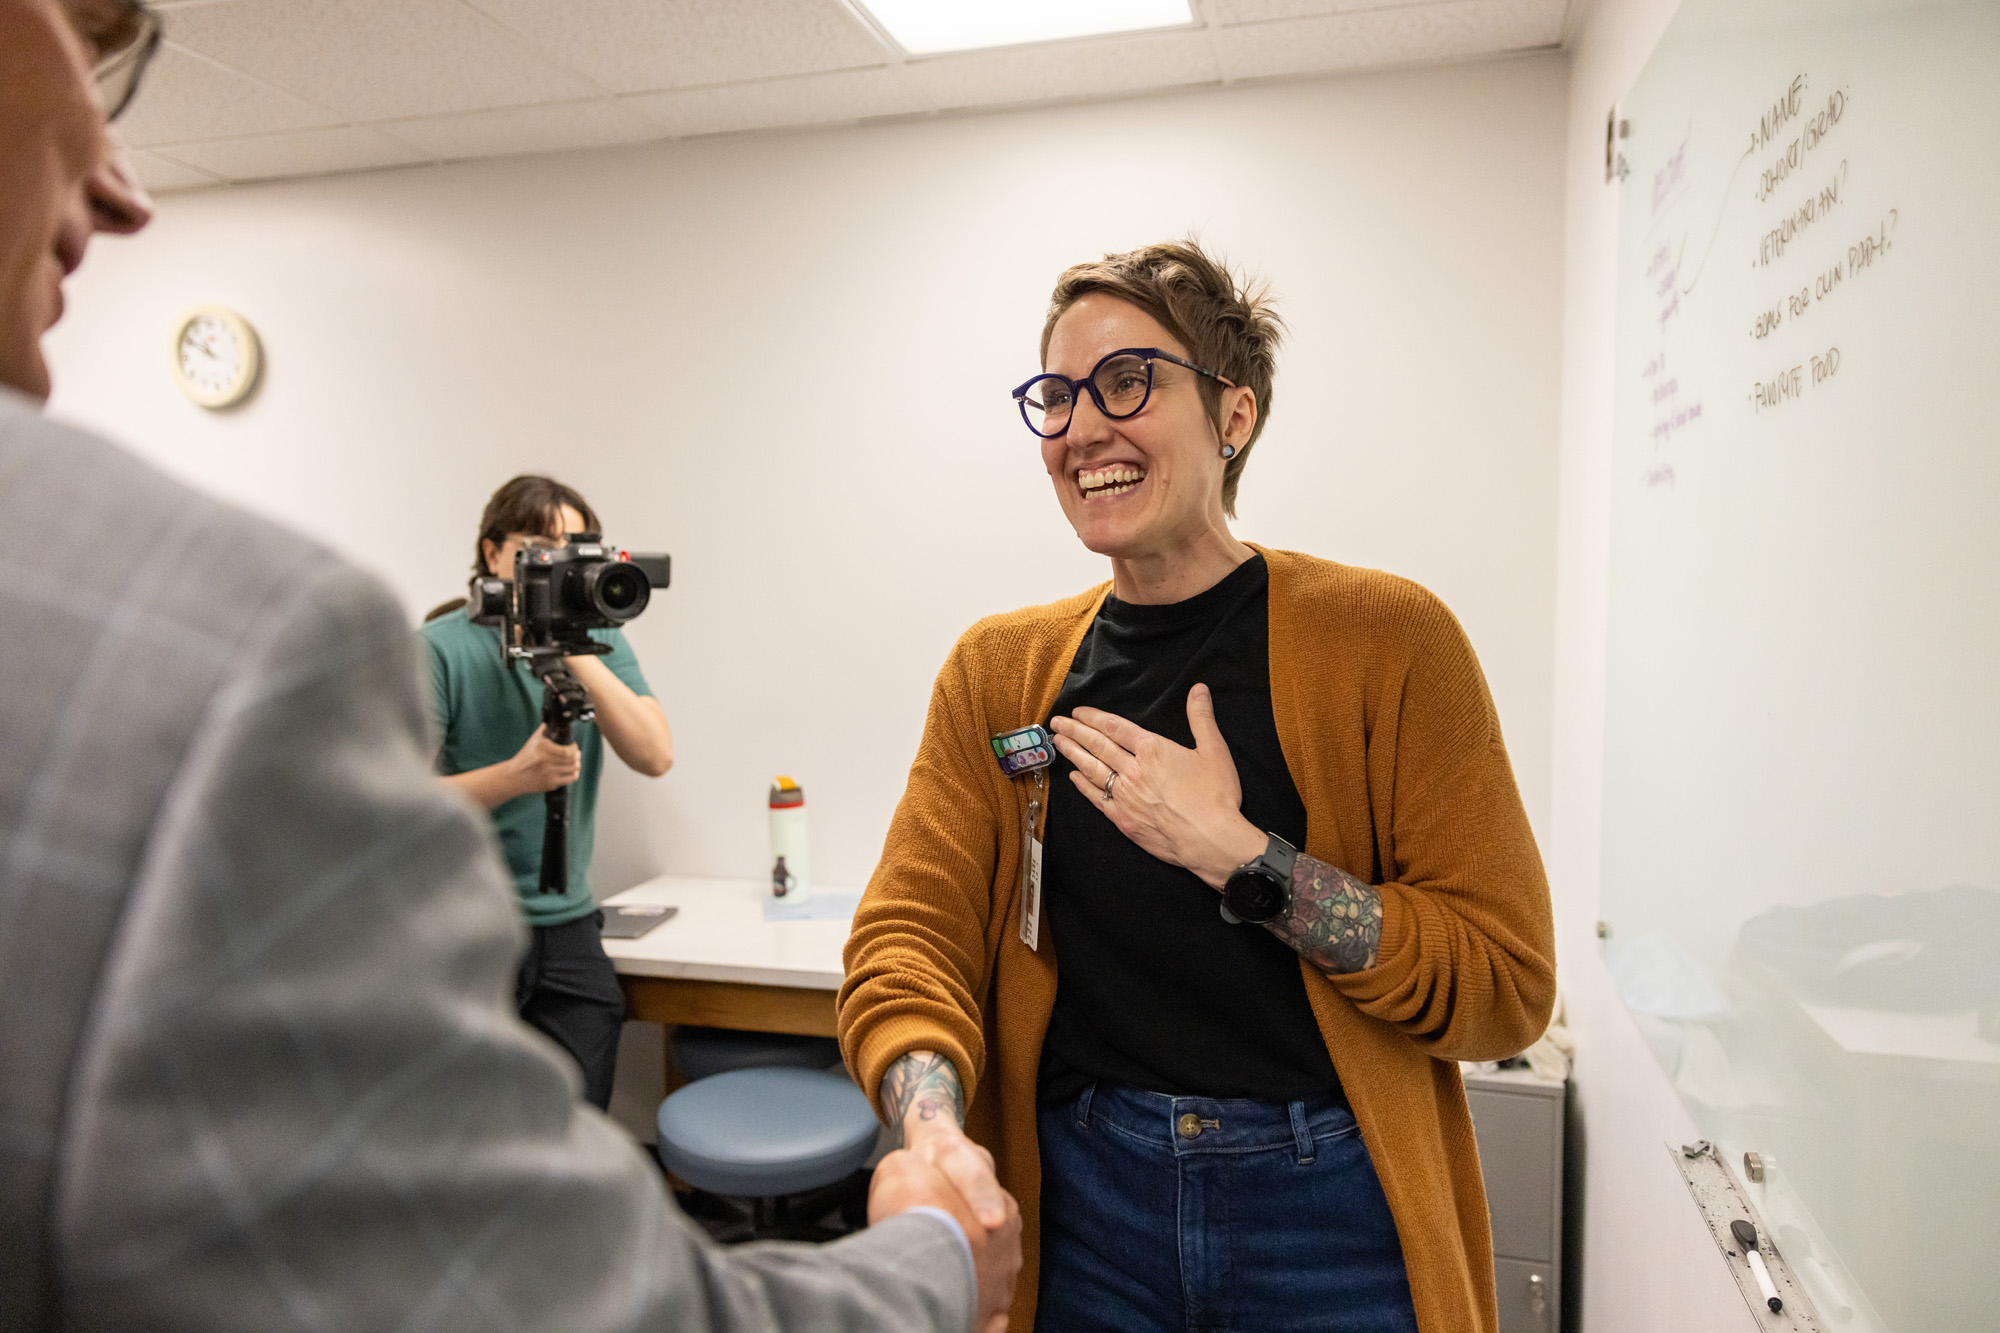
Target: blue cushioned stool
(767,1134)
(704,1052)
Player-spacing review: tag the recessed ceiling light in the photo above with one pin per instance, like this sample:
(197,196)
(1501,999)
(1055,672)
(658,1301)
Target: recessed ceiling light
(928,27)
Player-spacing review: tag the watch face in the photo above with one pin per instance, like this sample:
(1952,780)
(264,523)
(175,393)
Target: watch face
(1255,896)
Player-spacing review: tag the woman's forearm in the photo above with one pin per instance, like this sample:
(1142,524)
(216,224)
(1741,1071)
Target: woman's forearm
(488,787)
(1335,921)
(634,725)
(922,1087)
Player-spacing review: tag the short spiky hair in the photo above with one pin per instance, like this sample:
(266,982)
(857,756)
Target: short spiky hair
(1227,325)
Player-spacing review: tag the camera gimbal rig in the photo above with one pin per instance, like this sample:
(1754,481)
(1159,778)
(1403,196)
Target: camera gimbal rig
(545,614)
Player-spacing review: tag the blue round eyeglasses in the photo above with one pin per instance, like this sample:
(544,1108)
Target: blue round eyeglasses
(1120,384)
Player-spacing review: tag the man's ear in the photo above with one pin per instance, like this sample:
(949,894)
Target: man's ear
(119,204)
(489,551)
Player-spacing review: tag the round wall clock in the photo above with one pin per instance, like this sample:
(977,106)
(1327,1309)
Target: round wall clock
(216,357)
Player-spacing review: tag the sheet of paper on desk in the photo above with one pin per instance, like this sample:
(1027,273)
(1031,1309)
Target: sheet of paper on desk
(629,923)
(822,906)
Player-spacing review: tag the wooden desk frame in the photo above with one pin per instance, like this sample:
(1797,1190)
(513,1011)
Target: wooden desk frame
(671,1001)
(729,1004)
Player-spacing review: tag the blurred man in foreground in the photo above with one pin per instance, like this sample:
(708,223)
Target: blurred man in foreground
(260,1066)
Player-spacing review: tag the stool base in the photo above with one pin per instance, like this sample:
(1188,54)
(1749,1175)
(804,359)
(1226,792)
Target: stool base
(816,1216)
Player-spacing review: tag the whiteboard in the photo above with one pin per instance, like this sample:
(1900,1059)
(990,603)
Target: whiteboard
(1801,875)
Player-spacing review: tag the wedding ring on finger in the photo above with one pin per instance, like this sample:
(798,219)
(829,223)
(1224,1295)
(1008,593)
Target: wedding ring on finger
(1107,785)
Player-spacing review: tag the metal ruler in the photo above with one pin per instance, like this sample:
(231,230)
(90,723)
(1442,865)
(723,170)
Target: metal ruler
(1720,1202)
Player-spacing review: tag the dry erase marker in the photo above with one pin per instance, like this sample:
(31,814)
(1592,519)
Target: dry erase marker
(1746,1236)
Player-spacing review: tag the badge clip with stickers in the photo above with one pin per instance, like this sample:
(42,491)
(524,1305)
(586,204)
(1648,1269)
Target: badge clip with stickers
(1027,752)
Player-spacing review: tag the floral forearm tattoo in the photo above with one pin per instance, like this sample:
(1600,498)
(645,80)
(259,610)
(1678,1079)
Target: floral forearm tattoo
(1336,920)
(925,1084)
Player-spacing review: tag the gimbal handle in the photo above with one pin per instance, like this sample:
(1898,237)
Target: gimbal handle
(564,703)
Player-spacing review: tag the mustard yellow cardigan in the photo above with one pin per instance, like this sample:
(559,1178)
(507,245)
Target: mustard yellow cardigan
(1391,737)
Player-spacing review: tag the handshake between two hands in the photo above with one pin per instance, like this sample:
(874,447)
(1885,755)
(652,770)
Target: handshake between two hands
(940,1167)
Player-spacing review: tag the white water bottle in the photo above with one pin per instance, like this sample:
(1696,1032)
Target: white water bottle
(791,877)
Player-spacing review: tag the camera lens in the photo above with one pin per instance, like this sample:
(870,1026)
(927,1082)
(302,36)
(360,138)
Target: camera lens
(616,590)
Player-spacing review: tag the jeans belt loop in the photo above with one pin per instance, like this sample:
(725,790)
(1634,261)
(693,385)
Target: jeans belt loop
(1083,1106)
(1301,1133)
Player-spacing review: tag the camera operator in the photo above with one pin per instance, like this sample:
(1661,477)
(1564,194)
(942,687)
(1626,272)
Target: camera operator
(497,752)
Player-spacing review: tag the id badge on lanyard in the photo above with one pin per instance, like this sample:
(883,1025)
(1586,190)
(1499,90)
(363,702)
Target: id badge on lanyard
(1028,752)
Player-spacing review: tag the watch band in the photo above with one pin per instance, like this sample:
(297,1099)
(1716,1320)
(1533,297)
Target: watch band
(1278,855)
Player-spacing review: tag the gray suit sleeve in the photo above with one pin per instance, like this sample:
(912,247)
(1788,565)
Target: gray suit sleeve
(303,1099)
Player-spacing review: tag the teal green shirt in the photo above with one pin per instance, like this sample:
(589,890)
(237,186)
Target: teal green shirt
(486,708)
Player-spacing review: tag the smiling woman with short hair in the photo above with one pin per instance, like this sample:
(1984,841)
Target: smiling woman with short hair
(1199,986)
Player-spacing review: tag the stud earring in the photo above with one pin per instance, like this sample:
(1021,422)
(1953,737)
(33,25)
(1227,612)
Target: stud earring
(1229,451)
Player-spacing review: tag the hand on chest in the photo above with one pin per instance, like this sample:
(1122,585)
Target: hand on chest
(1191,762)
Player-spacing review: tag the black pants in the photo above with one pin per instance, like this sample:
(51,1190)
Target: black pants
(568,991)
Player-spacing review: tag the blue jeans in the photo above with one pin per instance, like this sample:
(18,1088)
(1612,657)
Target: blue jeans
(1268,1217)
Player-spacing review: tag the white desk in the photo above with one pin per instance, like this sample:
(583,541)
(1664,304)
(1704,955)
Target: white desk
(718,963)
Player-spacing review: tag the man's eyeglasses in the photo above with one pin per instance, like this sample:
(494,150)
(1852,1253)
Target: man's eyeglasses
(1120,385)
(122,37)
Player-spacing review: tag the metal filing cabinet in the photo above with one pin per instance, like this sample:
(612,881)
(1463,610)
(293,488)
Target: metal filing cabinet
(1518,1118)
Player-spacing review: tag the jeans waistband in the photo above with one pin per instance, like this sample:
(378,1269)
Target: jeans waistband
(1214,1124)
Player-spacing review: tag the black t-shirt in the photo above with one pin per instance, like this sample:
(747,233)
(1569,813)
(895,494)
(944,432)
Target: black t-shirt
(1153,988)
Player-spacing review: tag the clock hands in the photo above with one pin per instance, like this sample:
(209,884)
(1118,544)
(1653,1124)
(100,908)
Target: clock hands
(216,358)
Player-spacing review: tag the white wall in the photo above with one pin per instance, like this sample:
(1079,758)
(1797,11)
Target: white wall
(1648,1264)
(785,359)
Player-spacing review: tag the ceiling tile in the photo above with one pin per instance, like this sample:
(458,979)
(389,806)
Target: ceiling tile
(1385,37)
(642,45)
(163,175)
(250,89)
(301,153)
(810,99)
(377,59)
(186,97)
(1261,11)
(525,129)
(1101,68)
(987,78)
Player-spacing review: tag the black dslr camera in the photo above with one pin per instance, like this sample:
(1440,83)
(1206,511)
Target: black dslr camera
(544,614)
(557,596)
